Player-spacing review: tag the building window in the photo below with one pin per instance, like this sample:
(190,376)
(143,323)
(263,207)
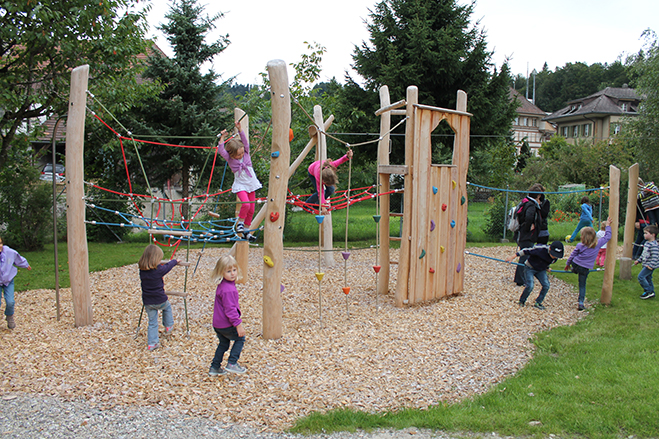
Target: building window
(564,131)
(575,131)
(586,130)
(535,122)
(517,120)
(624,108)
(615,128)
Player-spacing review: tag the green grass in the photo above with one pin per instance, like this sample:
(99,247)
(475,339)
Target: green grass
(598,378)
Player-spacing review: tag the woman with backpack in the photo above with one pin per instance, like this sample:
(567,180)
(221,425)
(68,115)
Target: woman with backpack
(530,222)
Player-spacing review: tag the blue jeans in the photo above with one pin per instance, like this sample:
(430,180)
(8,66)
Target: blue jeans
(583,273)
(542,278)
(313,199)
(8,292)
(226,335)
(582,223)
(645,279)
(167,319)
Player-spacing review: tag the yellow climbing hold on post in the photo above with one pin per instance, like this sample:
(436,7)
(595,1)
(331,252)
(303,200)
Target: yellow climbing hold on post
(268,261)
(319,276)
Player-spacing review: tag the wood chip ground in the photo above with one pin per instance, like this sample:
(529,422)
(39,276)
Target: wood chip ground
(362,356)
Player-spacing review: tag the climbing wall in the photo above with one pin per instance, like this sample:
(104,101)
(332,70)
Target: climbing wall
(438,213)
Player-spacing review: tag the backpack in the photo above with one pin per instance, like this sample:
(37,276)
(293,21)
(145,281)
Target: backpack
(514,215)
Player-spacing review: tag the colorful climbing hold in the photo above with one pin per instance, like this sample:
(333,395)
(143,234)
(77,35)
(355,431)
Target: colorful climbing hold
(432,225)
(268,261)
(319,276)
(441,248)
(345,255)
(434,190)
(444,206)
(281,288)
(454,183)
(432,270)
(376,268)
(376,218)
(291,136)
(459,267)
(346,290)
(275,154)
(452,223)
(274,216)
(423,253)
(463,200)
(320,218)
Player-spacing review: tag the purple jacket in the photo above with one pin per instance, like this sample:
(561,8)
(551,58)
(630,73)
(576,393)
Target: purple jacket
(153,286)
(9,260)
(236,165)
(226,312)
(585,256)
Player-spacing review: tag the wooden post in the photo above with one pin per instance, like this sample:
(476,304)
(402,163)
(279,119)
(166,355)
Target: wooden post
(461,161)
(401,295)
(612,245)
(630,228)
(273,246)
(383,159)
(75,212)
(242,247)
(326,226)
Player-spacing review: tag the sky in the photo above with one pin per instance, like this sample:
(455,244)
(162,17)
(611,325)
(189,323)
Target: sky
(526,32)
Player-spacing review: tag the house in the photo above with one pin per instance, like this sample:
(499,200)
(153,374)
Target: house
(529,124)
(596,117)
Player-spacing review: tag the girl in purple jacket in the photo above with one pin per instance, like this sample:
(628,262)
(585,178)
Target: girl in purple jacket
(583,257)
(226,317)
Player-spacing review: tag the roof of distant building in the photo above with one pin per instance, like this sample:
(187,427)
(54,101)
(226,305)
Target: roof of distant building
(605,102)
(526,106)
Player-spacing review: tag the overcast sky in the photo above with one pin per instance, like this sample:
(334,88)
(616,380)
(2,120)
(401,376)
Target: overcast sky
(527,32)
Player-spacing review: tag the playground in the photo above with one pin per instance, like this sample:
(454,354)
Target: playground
(361,357)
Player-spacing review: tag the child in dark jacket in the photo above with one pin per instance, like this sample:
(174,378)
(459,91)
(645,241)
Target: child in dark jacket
(583,257)
(540,258)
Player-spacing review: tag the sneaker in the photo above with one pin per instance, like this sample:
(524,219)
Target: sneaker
(645,295)
(581,307)
(240,228)
(153,347)
(11,324)
(521,304)
(215,372)
(168,329)
(235,368)
(538,305)
(250,237)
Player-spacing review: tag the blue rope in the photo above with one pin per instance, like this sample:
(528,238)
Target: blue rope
(532,192)
(517,263)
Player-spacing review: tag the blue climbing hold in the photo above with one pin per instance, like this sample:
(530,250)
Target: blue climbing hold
(452,223)
(320,218)
(275,154)
(434,190)
(376,218)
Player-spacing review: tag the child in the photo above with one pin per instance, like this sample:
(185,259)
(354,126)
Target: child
(601,254)
(329,180)
(649,196)
(153,292)
(650,261)
(245,183)
(226,317)
(583,257)
(540,258)
(9,260)
(586,219)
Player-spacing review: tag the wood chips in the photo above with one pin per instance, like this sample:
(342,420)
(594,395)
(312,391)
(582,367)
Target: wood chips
(372,359)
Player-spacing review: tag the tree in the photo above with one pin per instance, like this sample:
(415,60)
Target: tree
(189,104)
(643,134)
(40,42)
(430,44)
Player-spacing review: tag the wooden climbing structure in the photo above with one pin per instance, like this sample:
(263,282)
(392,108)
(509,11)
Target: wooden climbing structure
(434,233)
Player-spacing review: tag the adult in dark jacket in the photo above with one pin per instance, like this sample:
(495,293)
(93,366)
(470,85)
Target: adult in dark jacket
(529,227)
(543,234)
(640,223)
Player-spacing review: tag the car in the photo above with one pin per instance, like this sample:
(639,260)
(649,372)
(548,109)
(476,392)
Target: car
(47,173)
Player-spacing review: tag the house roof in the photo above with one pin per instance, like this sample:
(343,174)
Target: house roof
(526,106)
(605,102)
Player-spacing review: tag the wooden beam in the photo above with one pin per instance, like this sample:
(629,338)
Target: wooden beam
(612,245)
(630,228)
(388,107)
(392,169)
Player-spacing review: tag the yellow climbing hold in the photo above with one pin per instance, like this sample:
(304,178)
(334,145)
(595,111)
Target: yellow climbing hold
(319,276)
(441,248)
(268,261)
(454,183)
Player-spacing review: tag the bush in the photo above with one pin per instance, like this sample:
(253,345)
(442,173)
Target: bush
(496,217)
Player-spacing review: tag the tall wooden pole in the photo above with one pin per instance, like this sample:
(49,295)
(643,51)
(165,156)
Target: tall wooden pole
(630,228)
(273,247)
(75,212)
(612,245)
(383,159)
(326,225)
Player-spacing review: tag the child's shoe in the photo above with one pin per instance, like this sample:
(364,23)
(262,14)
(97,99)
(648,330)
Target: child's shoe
(581,307)
(539,306)
(521,304)
(215,372)
(168,329)
(250,237)
(236,368)
(645,295)
(11,324)
(153,347)
(240,228)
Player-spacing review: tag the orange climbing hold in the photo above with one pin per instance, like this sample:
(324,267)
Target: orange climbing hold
(346,290)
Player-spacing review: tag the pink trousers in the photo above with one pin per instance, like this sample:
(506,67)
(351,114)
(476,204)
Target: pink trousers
(247,208)
(601,257)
